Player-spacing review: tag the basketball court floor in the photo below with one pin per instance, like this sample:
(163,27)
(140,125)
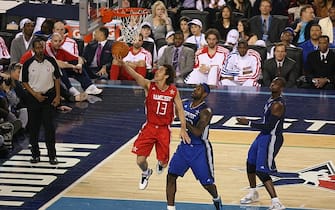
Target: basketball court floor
(98,171)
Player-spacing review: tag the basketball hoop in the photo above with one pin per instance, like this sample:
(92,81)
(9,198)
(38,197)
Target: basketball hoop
(130,20)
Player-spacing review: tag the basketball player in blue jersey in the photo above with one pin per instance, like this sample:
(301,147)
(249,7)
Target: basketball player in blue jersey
(197,154)
(266,146)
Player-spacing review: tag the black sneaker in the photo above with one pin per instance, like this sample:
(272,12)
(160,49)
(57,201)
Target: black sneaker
(218,203)
(53,161)
(159,168)
(35,159)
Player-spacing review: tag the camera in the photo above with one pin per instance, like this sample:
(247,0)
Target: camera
(7,82)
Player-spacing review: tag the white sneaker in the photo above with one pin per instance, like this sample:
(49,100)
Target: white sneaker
(251,197)
(277,206)
(159,168)
(144,180)
(93,90)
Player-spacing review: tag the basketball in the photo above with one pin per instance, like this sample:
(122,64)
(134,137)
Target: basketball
(120,49)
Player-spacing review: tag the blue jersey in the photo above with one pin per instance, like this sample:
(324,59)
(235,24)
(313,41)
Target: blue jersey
(192,115)
(198,155)
(275,123)
(267,144)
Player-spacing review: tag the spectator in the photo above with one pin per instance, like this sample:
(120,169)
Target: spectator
(197,38)
(241,6)
(146,31)
(46,29)
(242,68)
(232,38)
(280,66)
(138,58)
(98,55)
(71,66)
(184,27)
(22,43)
(4,54)
(296,10)
(286,38)
(327,25)
(225,22)
(243,27)
(209,60)
(70,46)
(180,57)
(311,44)
(320,68)
(321,7)
(266,26)
(169,41)
(159,20)
(302,26)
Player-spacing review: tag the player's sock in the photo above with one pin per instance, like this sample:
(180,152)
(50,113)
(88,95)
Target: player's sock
(171,208)
(275,200)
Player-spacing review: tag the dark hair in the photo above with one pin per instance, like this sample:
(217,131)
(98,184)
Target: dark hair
(231,18)
(246,26)
(324,37)
(242,42)
(213,31)
(12,67)
(282,81)
(36,40)
(269,1)
(184,18)
(278,45)
(304,8)
(316,24)
(105,31)
(169,70)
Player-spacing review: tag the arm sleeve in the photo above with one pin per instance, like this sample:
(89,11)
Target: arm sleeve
(267,126)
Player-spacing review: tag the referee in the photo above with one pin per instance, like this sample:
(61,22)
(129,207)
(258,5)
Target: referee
(40,76)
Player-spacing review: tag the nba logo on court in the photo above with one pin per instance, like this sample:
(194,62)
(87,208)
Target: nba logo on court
(321,175)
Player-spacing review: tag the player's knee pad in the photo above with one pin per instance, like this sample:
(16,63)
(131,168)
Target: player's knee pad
(263,176)
(251,168)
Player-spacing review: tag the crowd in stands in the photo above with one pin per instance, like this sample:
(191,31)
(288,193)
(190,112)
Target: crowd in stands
(219,42)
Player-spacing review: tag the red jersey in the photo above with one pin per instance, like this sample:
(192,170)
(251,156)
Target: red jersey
(160,105)
(59,54)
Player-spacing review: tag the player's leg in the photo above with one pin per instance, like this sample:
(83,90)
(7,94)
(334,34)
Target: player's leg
(163,148)
(203,170)
(171,189)
(266,165)
(178,167)
(252,196)
(142,148)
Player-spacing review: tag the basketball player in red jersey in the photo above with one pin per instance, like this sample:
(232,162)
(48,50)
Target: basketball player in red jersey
(161,99)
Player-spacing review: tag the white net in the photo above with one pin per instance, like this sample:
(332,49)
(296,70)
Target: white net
(130,21)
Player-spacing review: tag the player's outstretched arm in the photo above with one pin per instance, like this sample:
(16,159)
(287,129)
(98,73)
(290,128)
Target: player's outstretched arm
(141,81)
(180,110)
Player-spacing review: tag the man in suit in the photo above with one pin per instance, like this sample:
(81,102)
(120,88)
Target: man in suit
(320,68)
(180,57)
(267,27)
(280,66)
(23,42)
(98,55)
